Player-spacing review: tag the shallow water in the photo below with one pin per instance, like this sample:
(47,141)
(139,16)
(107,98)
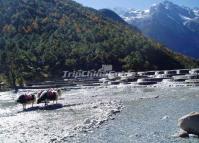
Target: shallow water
(93,115)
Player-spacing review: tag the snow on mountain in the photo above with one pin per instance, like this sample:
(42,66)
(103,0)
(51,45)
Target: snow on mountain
(135,14)
(173,25)
(196,11)
(185,13)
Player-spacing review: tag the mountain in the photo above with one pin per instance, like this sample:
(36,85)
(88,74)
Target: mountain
(41,38)
(116,18)
(175,26)
(112,15)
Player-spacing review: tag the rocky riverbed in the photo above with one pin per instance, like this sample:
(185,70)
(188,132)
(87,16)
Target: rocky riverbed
(113,114)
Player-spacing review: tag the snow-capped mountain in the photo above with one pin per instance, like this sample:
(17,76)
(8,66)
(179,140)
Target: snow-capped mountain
(175,26)
(196,11)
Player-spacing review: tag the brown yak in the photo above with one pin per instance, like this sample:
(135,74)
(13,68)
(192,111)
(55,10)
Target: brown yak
(26,99)
(47,96)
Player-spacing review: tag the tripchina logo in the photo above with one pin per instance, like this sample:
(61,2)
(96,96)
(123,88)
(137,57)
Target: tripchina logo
(78,74)
(103,72)
(106,71)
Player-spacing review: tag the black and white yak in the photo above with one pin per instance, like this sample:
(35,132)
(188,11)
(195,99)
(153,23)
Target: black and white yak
(26,99)
(47,96)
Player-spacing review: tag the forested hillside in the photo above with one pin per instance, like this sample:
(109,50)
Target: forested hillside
(40,38)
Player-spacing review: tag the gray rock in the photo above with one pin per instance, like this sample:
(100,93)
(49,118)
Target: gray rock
(183,134)
(190,123)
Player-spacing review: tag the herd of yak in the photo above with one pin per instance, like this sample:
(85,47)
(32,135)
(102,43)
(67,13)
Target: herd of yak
(44,96)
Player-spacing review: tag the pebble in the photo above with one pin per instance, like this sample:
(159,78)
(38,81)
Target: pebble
(165,118)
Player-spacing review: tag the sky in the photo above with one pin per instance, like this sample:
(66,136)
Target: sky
(137,4)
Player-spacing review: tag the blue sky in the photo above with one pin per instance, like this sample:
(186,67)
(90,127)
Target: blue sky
(137,4)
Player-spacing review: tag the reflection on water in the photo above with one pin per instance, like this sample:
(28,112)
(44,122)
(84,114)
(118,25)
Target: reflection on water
(86,115)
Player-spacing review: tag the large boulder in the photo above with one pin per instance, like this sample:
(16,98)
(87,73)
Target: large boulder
(190,123)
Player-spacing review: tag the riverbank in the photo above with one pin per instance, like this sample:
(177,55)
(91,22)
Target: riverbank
(147,120)
(112,114)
